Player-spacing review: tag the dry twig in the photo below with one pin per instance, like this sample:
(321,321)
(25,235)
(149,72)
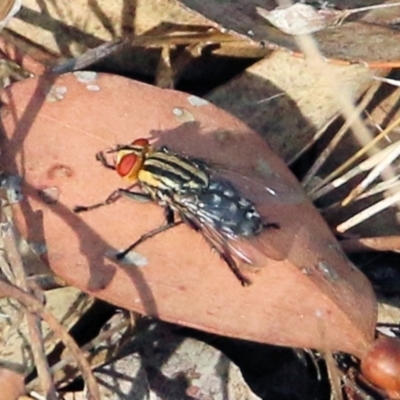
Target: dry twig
(34,329)
(34,306)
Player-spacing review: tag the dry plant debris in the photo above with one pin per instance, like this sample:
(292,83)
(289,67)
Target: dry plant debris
(170,39)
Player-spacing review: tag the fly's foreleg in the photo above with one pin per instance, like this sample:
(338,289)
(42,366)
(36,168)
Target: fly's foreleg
(103,160)
(112,198)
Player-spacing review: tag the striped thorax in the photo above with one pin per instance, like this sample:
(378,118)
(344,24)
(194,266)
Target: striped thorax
(160,169)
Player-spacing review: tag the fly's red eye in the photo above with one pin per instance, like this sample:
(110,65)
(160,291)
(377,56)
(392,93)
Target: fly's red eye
(141,143)
(126,164)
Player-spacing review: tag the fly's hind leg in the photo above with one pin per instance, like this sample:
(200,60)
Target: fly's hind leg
(170,223)
(225,254)
(270,225)
(222,251)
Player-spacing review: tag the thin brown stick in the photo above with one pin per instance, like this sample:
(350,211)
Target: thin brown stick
(91,56)
(34,328)
(97,357)
(34,306)
(13,53)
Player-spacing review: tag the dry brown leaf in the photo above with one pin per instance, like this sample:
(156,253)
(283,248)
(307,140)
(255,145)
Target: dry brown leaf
(306,282)
(287,99)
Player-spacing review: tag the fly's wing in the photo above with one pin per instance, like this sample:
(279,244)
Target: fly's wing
(272,196)
(275,198)
(237,218)
(218,239)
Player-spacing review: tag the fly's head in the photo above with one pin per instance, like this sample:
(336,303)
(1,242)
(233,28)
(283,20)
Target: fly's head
(130,159)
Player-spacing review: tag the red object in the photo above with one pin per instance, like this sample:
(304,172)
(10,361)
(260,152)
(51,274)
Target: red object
(381,365)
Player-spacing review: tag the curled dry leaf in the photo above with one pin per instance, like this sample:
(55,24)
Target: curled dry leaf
(357,39)
(300,18)
(307,294)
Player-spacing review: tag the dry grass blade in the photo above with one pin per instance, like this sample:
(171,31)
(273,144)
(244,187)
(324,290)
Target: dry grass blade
(308,45)
(361,152)
(36,339)
(393,82)
(368,212)
(388,184)
(311,142)
(355,390)
(165,74)
(320,161)
(8,9)
(364,166)
(89,57)
(351,11)
(374,174)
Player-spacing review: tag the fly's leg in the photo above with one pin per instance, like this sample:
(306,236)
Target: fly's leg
(102,159)
(271,225)
(112,198)
(170,223)
(136,196)
(148,235)
(225,254)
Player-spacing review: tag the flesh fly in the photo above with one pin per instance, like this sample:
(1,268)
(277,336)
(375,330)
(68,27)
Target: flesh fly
(186,188)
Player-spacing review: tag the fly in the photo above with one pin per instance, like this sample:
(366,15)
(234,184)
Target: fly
(185,187)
